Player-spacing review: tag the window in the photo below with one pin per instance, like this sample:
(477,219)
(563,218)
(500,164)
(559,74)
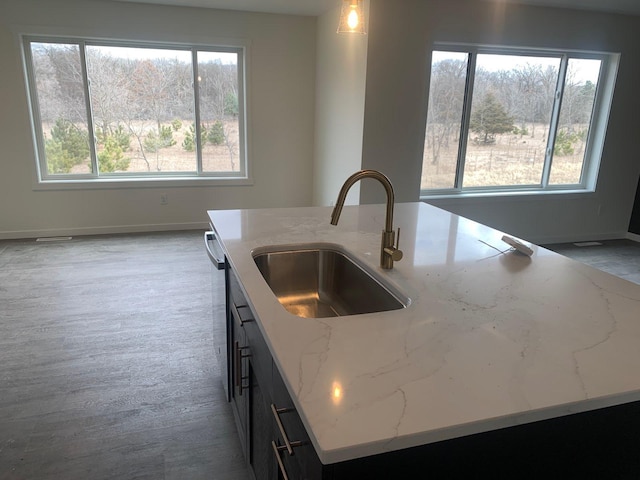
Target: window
(503,121)
(113,111)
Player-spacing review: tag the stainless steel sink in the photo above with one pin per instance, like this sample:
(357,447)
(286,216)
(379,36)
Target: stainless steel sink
(323,280)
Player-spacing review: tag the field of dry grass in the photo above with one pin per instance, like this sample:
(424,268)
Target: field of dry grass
(215,158)
(512,160)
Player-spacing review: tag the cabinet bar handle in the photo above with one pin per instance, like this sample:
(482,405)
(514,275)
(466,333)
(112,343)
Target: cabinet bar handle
(238,362)
(237,373)
(276,452)
(234,309)
(288,445)
(276,414)
(217,261)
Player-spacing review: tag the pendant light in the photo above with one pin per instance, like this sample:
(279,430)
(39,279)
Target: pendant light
(352,17)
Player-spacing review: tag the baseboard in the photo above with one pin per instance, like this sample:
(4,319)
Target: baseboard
(74,232)
(633,236)
(162,227)
(548,240)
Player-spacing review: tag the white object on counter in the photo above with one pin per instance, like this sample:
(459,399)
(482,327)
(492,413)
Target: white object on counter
(518,245)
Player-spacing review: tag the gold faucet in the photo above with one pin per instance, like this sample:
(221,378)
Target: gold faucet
(388,252)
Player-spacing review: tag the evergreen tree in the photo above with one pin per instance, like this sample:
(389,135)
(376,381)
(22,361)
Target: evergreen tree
(215,135)
(564,144)
(163,138)
(189,142)
(111,158)
(67,147)
(489,118)
(119,135)
(231,104)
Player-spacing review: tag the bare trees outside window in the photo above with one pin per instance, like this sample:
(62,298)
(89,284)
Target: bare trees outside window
(499,120)
(136,110)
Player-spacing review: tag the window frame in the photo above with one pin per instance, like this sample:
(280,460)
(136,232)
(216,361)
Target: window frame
(44,180)
(594,142)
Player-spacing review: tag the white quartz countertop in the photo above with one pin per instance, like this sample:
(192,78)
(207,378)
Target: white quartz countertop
(489,340)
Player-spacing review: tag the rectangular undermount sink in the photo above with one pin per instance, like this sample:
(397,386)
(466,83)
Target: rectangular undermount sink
(323,280)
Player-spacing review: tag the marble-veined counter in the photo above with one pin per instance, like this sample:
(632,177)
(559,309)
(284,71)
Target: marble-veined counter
(489,340)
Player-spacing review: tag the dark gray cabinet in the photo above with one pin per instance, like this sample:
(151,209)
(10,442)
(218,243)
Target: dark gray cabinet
(300,461)
(261,457)
(273,437)
(634,224)
(239,367)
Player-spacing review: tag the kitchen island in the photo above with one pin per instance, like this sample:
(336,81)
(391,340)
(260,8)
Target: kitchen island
(491,341)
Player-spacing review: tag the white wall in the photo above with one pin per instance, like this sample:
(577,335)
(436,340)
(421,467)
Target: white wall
(340,87)
(401,35)
(367,97)
(281,91)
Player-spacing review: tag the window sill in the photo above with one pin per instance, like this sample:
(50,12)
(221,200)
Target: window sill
(137,182)
(500,196)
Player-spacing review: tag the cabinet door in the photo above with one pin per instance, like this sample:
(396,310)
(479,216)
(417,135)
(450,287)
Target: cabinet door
(634,224)
(264,411)
(261,431)
(239,315)
(302,463)
(240,391)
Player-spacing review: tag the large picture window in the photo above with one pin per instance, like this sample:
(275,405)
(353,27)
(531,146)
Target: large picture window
(133,111)
(501,120)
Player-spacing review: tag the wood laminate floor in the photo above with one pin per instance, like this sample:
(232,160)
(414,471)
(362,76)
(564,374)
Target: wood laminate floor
(107,368)
(618,257)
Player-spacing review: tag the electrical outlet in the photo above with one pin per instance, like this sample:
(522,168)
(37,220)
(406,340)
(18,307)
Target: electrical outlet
(164,199)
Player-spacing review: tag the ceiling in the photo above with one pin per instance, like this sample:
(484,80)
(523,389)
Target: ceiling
(318,7)
(629,7)
(292,7)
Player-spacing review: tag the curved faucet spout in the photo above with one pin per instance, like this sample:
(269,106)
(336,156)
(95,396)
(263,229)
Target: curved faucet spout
(388,253)
(349,182)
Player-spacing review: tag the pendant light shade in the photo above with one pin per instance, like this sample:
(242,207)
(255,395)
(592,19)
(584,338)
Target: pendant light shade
(352,17)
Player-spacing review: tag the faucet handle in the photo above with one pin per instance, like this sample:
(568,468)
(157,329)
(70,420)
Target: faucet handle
(394,252)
